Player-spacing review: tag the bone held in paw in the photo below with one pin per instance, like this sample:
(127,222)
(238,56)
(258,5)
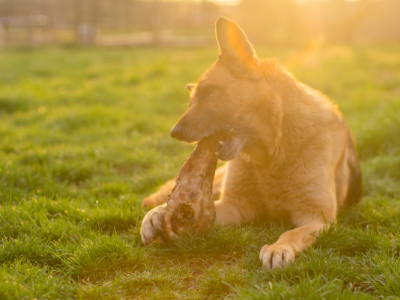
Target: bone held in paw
(191,206)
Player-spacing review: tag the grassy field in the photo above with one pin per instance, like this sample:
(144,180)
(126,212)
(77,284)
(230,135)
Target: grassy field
(85,137)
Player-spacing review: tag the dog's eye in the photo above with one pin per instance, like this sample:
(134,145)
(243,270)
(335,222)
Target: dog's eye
(204,91)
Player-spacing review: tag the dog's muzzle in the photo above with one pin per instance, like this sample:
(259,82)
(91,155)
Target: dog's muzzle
(176,132)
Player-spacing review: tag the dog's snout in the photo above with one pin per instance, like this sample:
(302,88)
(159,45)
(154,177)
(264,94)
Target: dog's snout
(176,132)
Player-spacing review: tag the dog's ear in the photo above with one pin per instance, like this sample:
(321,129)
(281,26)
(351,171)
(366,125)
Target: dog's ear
(234,45)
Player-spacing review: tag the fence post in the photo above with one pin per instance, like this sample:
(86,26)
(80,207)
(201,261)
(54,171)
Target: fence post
(77,20)
(156,21)
(95,19)
(2,35)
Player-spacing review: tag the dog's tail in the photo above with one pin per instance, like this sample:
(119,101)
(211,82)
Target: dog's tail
(354,192)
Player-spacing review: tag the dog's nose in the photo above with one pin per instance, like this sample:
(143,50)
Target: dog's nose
(176,132)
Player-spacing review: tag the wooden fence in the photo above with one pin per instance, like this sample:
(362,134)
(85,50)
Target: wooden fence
(190,22)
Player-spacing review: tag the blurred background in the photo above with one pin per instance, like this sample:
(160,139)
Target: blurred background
(190,22)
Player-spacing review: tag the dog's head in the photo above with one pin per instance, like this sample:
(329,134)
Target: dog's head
(227,95)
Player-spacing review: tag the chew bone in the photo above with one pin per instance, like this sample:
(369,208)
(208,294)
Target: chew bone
(191,206)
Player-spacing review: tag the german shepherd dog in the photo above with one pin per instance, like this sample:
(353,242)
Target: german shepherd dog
(290,154)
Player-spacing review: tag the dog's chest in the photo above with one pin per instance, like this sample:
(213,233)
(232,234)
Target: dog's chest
(275,194)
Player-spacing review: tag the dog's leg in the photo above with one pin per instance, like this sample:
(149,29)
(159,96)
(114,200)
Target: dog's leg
(233,212)
(293,241)
(227,213)
(161,196)
(218,181)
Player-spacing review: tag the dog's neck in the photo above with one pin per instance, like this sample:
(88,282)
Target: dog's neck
(289,109)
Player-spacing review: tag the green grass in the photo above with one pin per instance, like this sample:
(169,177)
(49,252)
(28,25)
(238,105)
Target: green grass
(85,137)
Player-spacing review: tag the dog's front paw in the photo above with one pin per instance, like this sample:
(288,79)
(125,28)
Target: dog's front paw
(151,228)
(276,255)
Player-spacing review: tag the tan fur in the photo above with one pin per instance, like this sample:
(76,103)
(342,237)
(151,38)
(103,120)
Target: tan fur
(300,166)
